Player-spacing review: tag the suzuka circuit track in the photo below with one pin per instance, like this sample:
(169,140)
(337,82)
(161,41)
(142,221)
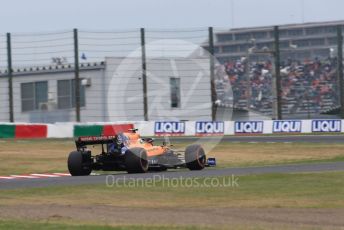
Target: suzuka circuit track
(66,180)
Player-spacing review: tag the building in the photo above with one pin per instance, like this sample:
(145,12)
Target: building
(298,41)
(177,89)
(45,94)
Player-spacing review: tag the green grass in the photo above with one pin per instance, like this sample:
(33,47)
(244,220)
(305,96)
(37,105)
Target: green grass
(292,191)
(48,156)
(302,190)
(28,225)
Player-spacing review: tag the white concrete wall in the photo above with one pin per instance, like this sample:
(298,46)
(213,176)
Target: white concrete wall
(124,89)
(195,89)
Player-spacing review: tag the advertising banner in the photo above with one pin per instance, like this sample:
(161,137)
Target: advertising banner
(286,126)
(248,127)
(327,126)
(210,128)
(169,128)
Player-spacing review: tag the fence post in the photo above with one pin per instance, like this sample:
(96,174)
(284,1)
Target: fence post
(10,76)
(144,74)
(76,76)
(340,68)
(276,53)
(212,73)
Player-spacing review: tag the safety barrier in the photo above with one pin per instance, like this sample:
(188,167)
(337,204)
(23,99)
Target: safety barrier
(171,128)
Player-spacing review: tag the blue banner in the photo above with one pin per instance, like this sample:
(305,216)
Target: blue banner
(327,126)
(210,128)
(169,128)
(248,127)
(286,126)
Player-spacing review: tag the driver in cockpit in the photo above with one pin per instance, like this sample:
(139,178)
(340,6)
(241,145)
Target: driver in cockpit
(121,145)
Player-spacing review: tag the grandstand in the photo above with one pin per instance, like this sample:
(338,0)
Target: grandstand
(311,39)
(308,68)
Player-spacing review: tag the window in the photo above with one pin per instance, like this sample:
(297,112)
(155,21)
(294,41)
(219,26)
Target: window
(175,92)
(301,43)
(332,41)
(285,44)
(224,37)
(260,35)
(330,29)
(66,94)
(322,53)
(244,48)
(314,30)
(229,49)
(33,94)
(282,33)
(263,45)
(242,36)
(317,42)
(295,32)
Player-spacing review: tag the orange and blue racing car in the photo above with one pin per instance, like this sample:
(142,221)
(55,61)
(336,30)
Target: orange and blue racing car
(132,153)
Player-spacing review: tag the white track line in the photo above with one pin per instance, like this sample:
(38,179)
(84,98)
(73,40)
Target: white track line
(34,176)
(62,174)
(6,177)
(24,176)
(44,175)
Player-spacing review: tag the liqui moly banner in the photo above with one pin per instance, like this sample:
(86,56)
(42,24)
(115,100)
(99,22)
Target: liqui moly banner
(327,126)
(248,127)
(286,126)
(170,128)
(209,128)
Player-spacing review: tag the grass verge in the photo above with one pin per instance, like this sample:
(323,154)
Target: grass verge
(28,225)
(301,190)
(44,156)
(269,201)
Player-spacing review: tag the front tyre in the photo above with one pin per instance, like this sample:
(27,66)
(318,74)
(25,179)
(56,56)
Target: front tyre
(136,160)
(79,164)
(195,157)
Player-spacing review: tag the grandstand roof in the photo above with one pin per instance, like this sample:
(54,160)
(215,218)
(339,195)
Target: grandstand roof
(285,26)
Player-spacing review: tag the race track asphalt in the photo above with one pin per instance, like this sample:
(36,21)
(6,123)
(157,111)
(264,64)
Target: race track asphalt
(121,177)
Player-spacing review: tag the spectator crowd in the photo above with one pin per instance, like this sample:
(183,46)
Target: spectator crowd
(308,86)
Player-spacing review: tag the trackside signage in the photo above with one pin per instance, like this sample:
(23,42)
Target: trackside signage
(326,126)
(171,128)
(286,127)
(248,127)
(204,128)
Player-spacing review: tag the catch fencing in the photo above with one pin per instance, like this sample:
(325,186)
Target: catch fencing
(275,72)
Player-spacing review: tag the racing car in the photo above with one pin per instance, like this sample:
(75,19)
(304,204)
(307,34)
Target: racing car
(132,153)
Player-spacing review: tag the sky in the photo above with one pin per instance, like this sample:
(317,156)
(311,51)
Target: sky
(48,15)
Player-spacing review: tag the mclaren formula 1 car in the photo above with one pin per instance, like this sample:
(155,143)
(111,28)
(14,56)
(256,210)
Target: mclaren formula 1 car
(134,154)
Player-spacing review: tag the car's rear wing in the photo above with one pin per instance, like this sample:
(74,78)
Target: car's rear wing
(94,140)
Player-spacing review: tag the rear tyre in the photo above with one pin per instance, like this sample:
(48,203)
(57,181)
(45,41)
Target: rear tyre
(136,160)
(195,157)
(79,164)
